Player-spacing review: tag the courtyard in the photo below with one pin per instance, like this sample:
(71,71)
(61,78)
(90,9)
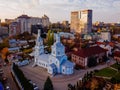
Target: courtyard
(60,82)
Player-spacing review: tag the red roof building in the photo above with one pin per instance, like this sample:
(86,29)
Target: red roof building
(117,56)
(81,57)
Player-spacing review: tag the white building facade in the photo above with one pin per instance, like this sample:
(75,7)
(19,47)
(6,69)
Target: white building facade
(106,36)
(81,21)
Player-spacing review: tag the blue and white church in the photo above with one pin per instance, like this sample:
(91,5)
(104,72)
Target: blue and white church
(56,62)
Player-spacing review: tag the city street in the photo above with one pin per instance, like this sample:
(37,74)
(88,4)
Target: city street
(10,82)
(60,82)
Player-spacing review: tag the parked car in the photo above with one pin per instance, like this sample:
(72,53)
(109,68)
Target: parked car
(7,88)
(36,88)
(34,85)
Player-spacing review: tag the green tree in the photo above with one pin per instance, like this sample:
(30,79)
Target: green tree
(48,84)
(50,39)
(92,62)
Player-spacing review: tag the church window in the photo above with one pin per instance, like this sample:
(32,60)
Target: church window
(53,52)
(63,70)
(58,52)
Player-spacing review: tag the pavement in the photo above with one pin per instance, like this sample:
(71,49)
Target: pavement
(7,73)
(60,82)
(10,82)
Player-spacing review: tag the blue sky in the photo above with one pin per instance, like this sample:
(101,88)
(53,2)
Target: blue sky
(59,10)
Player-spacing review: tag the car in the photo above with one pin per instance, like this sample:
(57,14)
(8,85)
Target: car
(70,86)
(4,64)
(36,88)
(7,88)
(34,85)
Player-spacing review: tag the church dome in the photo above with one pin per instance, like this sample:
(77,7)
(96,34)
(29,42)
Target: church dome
(58,45)
(58,48)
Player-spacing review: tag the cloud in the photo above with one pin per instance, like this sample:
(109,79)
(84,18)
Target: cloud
(28,4)
(59,9)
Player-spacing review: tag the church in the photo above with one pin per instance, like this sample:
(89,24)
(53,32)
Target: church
(56,62)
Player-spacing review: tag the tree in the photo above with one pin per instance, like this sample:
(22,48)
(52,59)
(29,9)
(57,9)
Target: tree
(92,62)
(48,84)
(94,84)
(21,78)
(50,39)
(105,58)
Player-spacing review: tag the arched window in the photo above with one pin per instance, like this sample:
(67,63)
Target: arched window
(58,53)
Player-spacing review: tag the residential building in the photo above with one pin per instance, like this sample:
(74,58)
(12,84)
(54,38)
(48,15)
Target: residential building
(24,20)
(35,28)
(106,36)
(117,56)
(81,57)
(13,43)
(14,28)
(57,61)
(65,24)
(45,21)
(24,23)
(81,21)
(8,21)
(3,31)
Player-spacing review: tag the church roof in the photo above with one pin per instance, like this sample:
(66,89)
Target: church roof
(24,16)
(43,57)
(68,64)
(53,66)
(58,44)
(40,39)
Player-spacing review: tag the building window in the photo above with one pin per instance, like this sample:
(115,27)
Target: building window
(63,70)
(58,53)
(56,62)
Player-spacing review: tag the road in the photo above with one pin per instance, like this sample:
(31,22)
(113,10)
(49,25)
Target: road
(60,82)
(7,73)
(10,81)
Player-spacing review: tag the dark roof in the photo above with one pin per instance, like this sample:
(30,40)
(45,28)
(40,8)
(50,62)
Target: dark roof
(117,53)
(24,16)
(90,51)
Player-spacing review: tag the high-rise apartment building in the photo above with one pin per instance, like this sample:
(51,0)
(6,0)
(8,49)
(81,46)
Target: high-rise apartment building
(81,21)
(24,23)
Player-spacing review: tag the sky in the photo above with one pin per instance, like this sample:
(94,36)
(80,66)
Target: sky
(59,10)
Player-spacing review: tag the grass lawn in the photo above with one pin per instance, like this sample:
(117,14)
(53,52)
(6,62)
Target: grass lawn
(106,72)
(116,66)
(117,76)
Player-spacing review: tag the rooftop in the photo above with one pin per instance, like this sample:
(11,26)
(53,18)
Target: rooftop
(43,57)
(117,53)
(87,52)
(24,16)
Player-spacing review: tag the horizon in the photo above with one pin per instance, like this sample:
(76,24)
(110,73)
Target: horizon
(104,11)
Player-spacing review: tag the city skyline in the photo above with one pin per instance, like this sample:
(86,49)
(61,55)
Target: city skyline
(59,10)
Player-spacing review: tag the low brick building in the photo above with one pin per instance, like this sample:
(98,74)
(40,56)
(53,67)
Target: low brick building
(117,56)
(82,56)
